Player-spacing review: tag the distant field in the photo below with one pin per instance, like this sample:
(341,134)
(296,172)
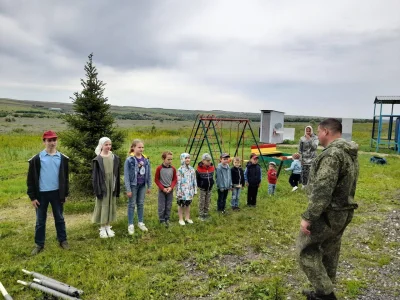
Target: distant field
(9,105)
(34,126)
(137,113)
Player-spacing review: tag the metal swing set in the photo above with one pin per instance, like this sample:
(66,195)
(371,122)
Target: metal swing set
(209,129)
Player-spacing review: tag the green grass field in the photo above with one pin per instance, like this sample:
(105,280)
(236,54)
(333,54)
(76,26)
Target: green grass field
(244,255)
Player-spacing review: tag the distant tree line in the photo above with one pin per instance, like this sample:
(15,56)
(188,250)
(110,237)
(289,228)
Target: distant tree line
(170,116)
(316,120)
(165,116)
(24,114)
(29,112)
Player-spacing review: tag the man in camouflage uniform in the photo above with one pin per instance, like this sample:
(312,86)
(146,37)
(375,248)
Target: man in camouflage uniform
(331,189)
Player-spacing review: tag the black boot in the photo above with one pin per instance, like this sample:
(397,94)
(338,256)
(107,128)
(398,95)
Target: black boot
(311,295)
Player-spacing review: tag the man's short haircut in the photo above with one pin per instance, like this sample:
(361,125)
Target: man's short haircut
(165,154)
(332,124)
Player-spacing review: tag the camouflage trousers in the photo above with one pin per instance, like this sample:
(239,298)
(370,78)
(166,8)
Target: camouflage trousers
(204,203)
(318,253)
(305,173)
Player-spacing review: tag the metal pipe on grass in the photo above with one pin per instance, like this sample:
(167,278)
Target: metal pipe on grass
(58,287)
(46,290)
(43,277)
(4,292)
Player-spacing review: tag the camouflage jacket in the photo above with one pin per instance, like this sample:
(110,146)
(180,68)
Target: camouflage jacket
(333,179)
(308,149)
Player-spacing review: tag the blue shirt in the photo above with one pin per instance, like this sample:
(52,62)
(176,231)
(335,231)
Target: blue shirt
(295,167)
(49,171)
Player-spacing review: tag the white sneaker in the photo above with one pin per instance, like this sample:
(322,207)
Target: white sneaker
(294,188)
(110,232)
(131,229)
(103,233)
(189,221)
(181,222)
(142,227)
(303,187)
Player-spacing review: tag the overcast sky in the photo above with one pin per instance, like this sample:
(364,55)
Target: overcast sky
(321,58)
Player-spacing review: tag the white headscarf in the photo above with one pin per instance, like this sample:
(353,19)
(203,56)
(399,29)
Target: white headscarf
(100,145)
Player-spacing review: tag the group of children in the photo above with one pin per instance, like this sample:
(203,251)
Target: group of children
(186,181)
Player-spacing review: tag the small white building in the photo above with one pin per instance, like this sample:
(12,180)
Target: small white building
(55,109)
(271,126)
(347,129)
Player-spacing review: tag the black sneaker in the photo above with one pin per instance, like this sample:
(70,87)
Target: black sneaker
(64,245)
(37,250)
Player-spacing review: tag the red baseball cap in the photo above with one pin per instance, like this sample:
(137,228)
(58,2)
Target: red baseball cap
(49,134)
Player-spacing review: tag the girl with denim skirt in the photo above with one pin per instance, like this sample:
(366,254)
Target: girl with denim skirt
(137,175)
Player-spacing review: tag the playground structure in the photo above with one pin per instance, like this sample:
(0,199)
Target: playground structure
(270,153)
(210,129)
(390,120)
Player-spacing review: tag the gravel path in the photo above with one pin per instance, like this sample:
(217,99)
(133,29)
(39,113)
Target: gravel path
(384,282)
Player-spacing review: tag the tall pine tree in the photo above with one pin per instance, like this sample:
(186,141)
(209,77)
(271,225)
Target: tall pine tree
(91,121)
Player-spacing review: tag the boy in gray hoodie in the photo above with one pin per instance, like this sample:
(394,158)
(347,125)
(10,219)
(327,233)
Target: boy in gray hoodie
(224,181)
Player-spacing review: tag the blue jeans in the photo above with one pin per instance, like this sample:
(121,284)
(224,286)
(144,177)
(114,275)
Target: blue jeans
(221,202)
(271,188)
(235,197)
(53,198)
(138,193)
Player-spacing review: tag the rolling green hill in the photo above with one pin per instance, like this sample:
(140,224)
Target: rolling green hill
(27,108)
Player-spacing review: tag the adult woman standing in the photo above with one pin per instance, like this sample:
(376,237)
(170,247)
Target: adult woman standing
(308,150)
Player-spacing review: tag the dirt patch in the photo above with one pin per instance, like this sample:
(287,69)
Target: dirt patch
(21,209)
(384,279)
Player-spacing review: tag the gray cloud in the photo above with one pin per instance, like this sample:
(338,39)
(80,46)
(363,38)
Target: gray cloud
(312,58)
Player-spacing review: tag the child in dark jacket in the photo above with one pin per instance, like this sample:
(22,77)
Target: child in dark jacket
(237,182)
(205,181)
(252,176)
